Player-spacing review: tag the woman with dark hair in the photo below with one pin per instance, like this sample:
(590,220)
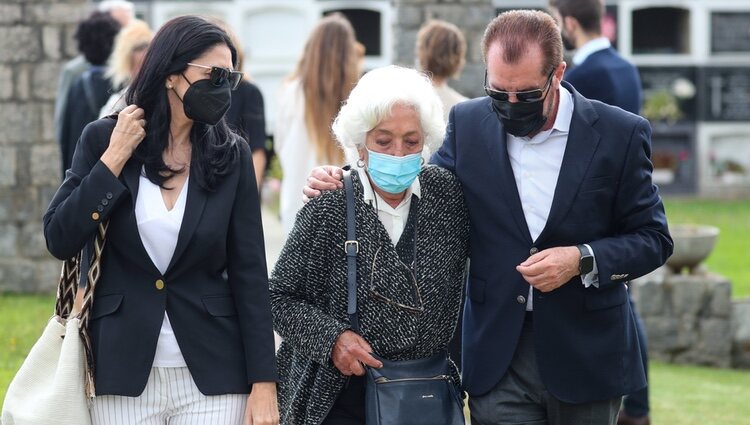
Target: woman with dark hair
(181,322)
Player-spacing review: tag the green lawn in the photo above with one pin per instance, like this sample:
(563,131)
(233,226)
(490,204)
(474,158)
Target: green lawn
(689,395)
(680,395)
(730,257)
(22,319)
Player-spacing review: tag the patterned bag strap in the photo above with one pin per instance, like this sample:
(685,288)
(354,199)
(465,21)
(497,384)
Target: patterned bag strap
(67,286)
(67,289)
(94,274)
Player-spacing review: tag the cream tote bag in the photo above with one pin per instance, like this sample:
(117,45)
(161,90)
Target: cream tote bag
(55,382)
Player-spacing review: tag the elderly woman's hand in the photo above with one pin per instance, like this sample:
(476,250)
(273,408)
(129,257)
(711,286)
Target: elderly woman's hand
(350,352)
(127,135)
(327,177)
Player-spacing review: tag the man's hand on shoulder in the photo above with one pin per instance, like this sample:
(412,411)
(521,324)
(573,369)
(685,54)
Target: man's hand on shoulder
(327,177)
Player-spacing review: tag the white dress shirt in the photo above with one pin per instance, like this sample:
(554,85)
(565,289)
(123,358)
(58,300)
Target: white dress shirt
(159,228)
(591,47)
(536,163)
(393,219)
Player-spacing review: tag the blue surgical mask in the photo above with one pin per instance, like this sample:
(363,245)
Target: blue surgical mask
(393,174)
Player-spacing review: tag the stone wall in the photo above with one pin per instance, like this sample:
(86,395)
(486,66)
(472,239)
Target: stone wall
(471,16)
(741,334)
(692,319)
(36,38)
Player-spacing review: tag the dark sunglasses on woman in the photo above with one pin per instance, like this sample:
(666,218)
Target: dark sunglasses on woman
(219,75)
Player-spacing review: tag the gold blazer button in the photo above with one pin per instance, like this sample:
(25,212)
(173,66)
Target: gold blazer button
(159,284)
(95,216)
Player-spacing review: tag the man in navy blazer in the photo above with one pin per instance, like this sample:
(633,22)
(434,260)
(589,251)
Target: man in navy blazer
(598,71)
(563,213)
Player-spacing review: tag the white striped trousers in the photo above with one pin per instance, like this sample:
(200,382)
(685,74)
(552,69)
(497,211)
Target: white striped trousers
(170,398)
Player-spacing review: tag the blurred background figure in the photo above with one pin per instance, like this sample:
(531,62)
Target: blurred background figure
(246,115)
(441,52)
(123,12)
(598,72)
(90,90)
(125,62)
(329,67)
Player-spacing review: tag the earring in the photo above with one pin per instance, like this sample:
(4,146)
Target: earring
(360,163)
(169,86)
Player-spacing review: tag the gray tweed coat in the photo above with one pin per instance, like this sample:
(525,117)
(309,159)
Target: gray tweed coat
(309,289)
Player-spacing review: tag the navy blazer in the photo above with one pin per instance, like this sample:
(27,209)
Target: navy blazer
(215,289)
(585,338)
(608,77)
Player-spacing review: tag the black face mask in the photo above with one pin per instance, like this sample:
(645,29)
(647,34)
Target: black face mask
(521,118)
(206,103)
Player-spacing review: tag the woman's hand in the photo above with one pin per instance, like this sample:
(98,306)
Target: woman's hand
(327,177)
(262,408)
(350,352)
(127,135)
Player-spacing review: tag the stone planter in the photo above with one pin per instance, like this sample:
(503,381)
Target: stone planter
(692,244)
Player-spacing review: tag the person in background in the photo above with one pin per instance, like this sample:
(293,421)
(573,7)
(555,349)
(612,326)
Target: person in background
(90,90)
(123,11)
(125,62)
(247,115)
(600,73)
(412,231)
(181,326)
(441,52)
(325,74)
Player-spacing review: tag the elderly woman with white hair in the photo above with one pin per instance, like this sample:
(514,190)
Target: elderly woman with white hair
(412,227)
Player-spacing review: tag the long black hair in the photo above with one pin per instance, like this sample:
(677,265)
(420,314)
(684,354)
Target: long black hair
(214,148)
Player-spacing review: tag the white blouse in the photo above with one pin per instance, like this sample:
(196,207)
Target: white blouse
(159,228)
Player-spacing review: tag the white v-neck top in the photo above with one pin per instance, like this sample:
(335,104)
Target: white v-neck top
(159,228)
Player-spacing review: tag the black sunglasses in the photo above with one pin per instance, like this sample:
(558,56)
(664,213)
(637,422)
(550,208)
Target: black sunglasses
(220,75)
(528,96)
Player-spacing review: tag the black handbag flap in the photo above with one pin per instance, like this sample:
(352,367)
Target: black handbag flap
(428,367)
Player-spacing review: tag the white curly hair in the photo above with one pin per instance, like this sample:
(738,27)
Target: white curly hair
(373,98)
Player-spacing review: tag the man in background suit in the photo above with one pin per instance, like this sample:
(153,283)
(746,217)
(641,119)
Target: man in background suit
(600,73)
(123,12)
(563,214)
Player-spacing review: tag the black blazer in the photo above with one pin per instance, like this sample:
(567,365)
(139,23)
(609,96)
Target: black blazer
(585,338)
(215,289)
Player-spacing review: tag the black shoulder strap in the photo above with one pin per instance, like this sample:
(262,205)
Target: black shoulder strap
(351,247)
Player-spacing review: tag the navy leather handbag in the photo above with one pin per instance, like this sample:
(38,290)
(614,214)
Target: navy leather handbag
(406,392)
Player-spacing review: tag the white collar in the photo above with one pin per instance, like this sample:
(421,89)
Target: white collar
(592,46)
